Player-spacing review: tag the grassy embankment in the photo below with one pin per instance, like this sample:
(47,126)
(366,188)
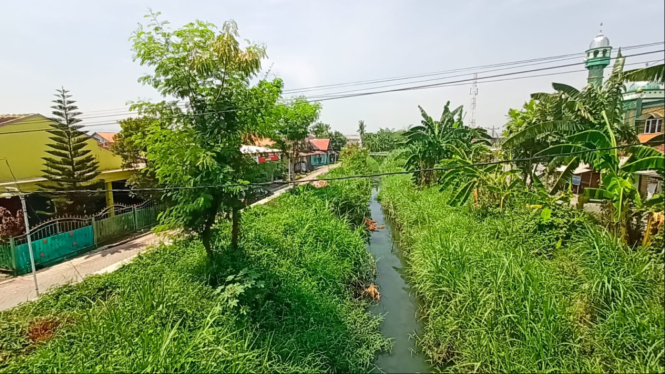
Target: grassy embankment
(287,301)
(499,295)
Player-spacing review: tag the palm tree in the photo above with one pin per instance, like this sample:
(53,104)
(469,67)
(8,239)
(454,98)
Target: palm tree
(320,130)
(361,131)
(433,141)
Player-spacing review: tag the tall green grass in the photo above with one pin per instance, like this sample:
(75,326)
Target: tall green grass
(500,293)
(285,302)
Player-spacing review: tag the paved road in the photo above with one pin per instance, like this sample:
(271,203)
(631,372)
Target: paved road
(104,260)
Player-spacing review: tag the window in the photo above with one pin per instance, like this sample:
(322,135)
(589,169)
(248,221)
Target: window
(653,125)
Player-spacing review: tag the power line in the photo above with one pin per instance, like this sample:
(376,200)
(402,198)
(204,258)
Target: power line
(364,176)
(541,60)
(434,85)
(333,97)
(535,61)
(501,66)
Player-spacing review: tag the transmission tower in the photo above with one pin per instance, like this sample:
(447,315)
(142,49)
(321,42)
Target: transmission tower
(474,94)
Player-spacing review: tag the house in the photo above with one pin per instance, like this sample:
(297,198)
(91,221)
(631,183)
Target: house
(583,177)
(319,153)
(23,143)
(261,154)
(644,108)
(104,139)
(260,149)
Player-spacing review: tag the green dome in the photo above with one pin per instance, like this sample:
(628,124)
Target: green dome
(643,86)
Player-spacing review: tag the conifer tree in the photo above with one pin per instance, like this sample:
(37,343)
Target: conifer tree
(71,167)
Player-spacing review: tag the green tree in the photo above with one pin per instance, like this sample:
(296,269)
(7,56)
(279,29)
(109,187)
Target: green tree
(70,167)
(361,131)
(433,141)
(292,122)
(384,140)
(130,144)
(617,184)
(566,112)
(540,109)
(208,71)
(337,141)
(320,130)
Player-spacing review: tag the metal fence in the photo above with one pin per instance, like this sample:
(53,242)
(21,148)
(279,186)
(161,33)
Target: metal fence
(56,240)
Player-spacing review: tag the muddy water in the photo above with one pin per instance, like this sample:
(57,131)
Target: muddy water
(398,303)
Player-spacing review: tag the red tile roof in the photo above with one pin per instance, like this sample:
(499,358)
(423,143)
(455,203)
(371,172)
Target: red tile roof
(108,136)
(320,144)
(258,141)
(647,137)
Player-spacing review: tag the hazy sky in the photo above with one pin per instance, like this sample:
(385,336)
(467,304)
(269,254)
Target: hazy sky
(84,46)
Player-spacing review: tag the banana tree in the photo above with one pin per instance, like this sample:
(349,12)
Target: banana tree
(598,148)
(568,112)
(433,141)
(467,178)
(654,73)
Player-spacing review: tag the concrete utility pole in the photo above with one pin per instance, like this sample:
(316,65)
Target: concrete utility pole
(474,95)
(14,191)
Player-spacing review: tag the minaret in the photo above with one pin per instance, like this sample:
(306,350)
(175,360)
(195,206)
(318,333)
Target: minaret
(598,58)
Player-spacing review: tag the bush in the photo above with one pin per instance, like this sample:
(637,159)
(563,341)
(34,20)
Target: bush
(348,198)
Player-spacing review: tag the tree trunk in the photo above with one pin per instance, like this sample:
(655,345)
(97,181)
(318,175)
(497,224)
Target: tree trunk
(235,228)
(647,232)
(206,235)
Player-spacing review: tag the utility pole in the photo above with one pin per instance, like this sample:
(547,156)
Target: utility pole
(14,191)
(474,94)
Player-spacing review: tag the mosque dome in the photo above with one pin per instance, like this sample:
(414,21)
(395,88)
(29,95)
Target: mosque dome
(599,41)
(642,86)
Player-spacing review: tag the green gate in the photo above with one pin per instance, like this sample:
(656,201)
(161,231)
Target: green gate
(146,217)
(63,238)
(114,227)
(53,249)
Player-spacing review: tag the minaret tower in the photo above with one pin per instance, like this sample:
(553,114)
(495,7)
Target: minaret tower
(598,58)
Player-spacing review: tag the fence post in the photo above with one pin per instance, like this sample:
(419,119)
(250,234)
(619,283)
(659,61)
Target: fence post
(12,251)
(136,222)
(94,231)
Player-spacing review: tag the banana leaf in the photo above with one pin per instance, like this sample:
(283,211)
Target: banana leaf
(568,90)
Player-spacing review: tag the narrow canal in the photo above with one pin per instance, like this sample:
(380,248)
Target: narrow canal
(398,304)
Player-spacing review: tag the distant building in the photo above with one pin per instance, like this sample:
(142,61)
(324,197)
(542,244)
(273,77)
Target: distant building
(643,107)
(261,154)
(104,139)
(353,139)
(23,143)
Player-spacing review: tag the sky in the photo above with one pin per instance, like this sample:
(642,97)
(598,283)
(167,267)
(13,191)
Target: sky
(84,46)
